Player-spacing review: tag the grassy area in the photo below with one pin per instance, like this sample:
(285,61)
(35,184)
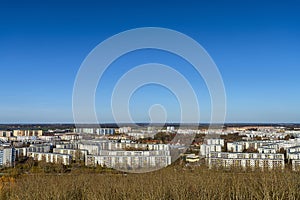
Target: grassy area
(174,182)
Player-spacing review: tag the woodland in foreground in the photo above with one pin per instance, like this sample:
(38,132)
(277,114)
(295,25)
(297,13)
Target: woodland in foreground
(173,182)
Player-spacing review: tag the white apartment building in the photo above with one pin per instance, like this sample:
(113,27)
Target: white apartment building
(49,138)
(6,134)
(124,129)
(131,160)
(242,145)
(141,135)
(94,147)
(211,145)
(80,154)
(7,156)
(293,156)
(66,145)
(296,165)
(65,159)
(292,152)
(97,131)
(205,149)
(23,151)
(170,128)
(235,147)
(126,155)
(45,148)
(246,160)
(214,141)
(69,136)
(266,149)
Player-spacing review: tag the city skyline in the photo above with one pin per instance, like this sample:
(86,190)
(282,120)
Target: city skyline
(254,44)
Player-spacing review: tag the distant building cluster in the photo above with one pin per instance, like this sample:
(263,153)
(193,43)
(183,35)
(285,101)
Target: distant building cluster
(66,148)
(130,148)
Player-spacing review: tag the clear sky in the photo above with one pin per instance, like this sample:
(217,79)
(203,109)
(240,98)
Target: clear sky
(255,44)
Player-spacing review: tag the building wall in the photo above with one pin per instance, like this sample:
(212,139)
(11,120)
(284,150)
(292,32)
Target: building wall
(39,148)
(266,150)
(205,149)
(130,160)
(94,148)
(21,152)
(7,156)
(244,160)
(296,165)
(75,153)
(141,135)
(235,147)
(66,146)
(51,157)
(215,141)
(97,131)
(6,133)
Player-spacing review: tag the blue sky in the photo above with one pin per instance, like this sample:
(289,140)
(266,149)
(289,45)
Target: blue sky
(255,45)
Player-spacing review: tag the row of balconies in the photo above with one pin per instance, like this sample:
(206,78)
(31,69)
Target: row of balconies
(245,155)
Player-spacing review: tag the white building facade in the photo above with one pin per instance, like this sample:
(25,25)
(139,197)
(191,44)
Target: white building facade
(246,160)
(64,159)
(7,156)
